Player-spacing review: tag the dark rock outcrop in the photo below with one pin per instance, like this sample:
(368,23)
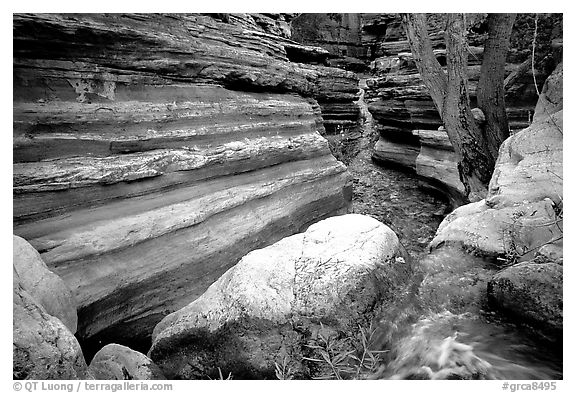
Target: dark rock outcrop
(339,34)
(152,151)
(117,362)
(333,277)
(531,292)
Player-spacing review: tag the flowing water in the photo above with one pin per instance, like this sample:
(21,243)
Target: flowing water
(466,346)
(423,339)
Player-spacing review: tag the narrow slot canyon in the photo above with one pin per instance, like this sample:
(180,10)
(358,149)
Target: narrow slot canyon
(276,196)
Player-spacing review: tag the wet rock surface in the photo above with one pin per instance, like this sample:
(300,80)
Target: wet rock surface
(455,280)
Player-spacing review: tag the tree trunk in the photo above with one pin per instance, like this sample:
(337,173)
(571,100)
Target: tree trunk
(491,92)
(476,165)
(450,95)
(428,67)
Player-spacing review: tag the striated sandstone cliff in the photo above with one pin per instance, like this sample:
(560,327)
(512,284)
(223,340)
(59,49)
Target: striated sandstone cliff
(400,103)
(404,114)
(151,152)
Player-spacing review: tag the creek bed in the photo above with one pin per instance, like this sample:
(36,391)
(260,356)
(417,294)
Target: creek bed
(423,333)
(396,199)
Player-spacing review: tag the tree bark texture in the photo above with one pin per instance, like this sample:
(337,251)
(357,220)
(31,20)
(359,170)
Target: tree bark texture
(476,164)
(491,91)
(450,95)
(428,67)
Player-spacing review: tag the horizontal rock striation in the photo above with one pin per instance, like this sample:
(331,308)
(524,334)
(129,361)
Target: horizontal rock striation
(339,34)
(151,152)
(400,103)
(437,164)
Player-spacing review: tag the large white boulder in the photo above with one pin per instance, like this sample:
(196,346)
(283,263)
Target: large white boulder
(263,310)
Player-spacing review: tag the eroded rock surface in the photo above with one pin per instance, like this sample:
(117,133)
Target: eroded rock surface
(117,362)
(438,164)
(523,209)
(262,310)
(151,152)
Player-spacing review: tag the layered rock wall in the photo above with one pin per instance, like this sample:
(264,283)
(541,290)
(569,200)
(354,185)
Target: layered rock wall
(152,151)
(404,114)
(340,34)
(400,103)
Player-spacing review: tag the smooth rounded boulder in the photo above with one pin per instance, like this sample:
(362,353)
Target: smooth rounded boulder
(117,362)
(263,311)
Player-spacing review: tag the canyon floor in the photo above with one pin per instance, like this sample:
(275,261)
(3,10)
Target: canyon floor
(396,198)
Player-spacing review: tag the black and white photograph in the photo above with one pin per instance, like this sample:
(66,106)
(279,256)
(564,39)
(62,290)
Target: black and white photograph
(287,196)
